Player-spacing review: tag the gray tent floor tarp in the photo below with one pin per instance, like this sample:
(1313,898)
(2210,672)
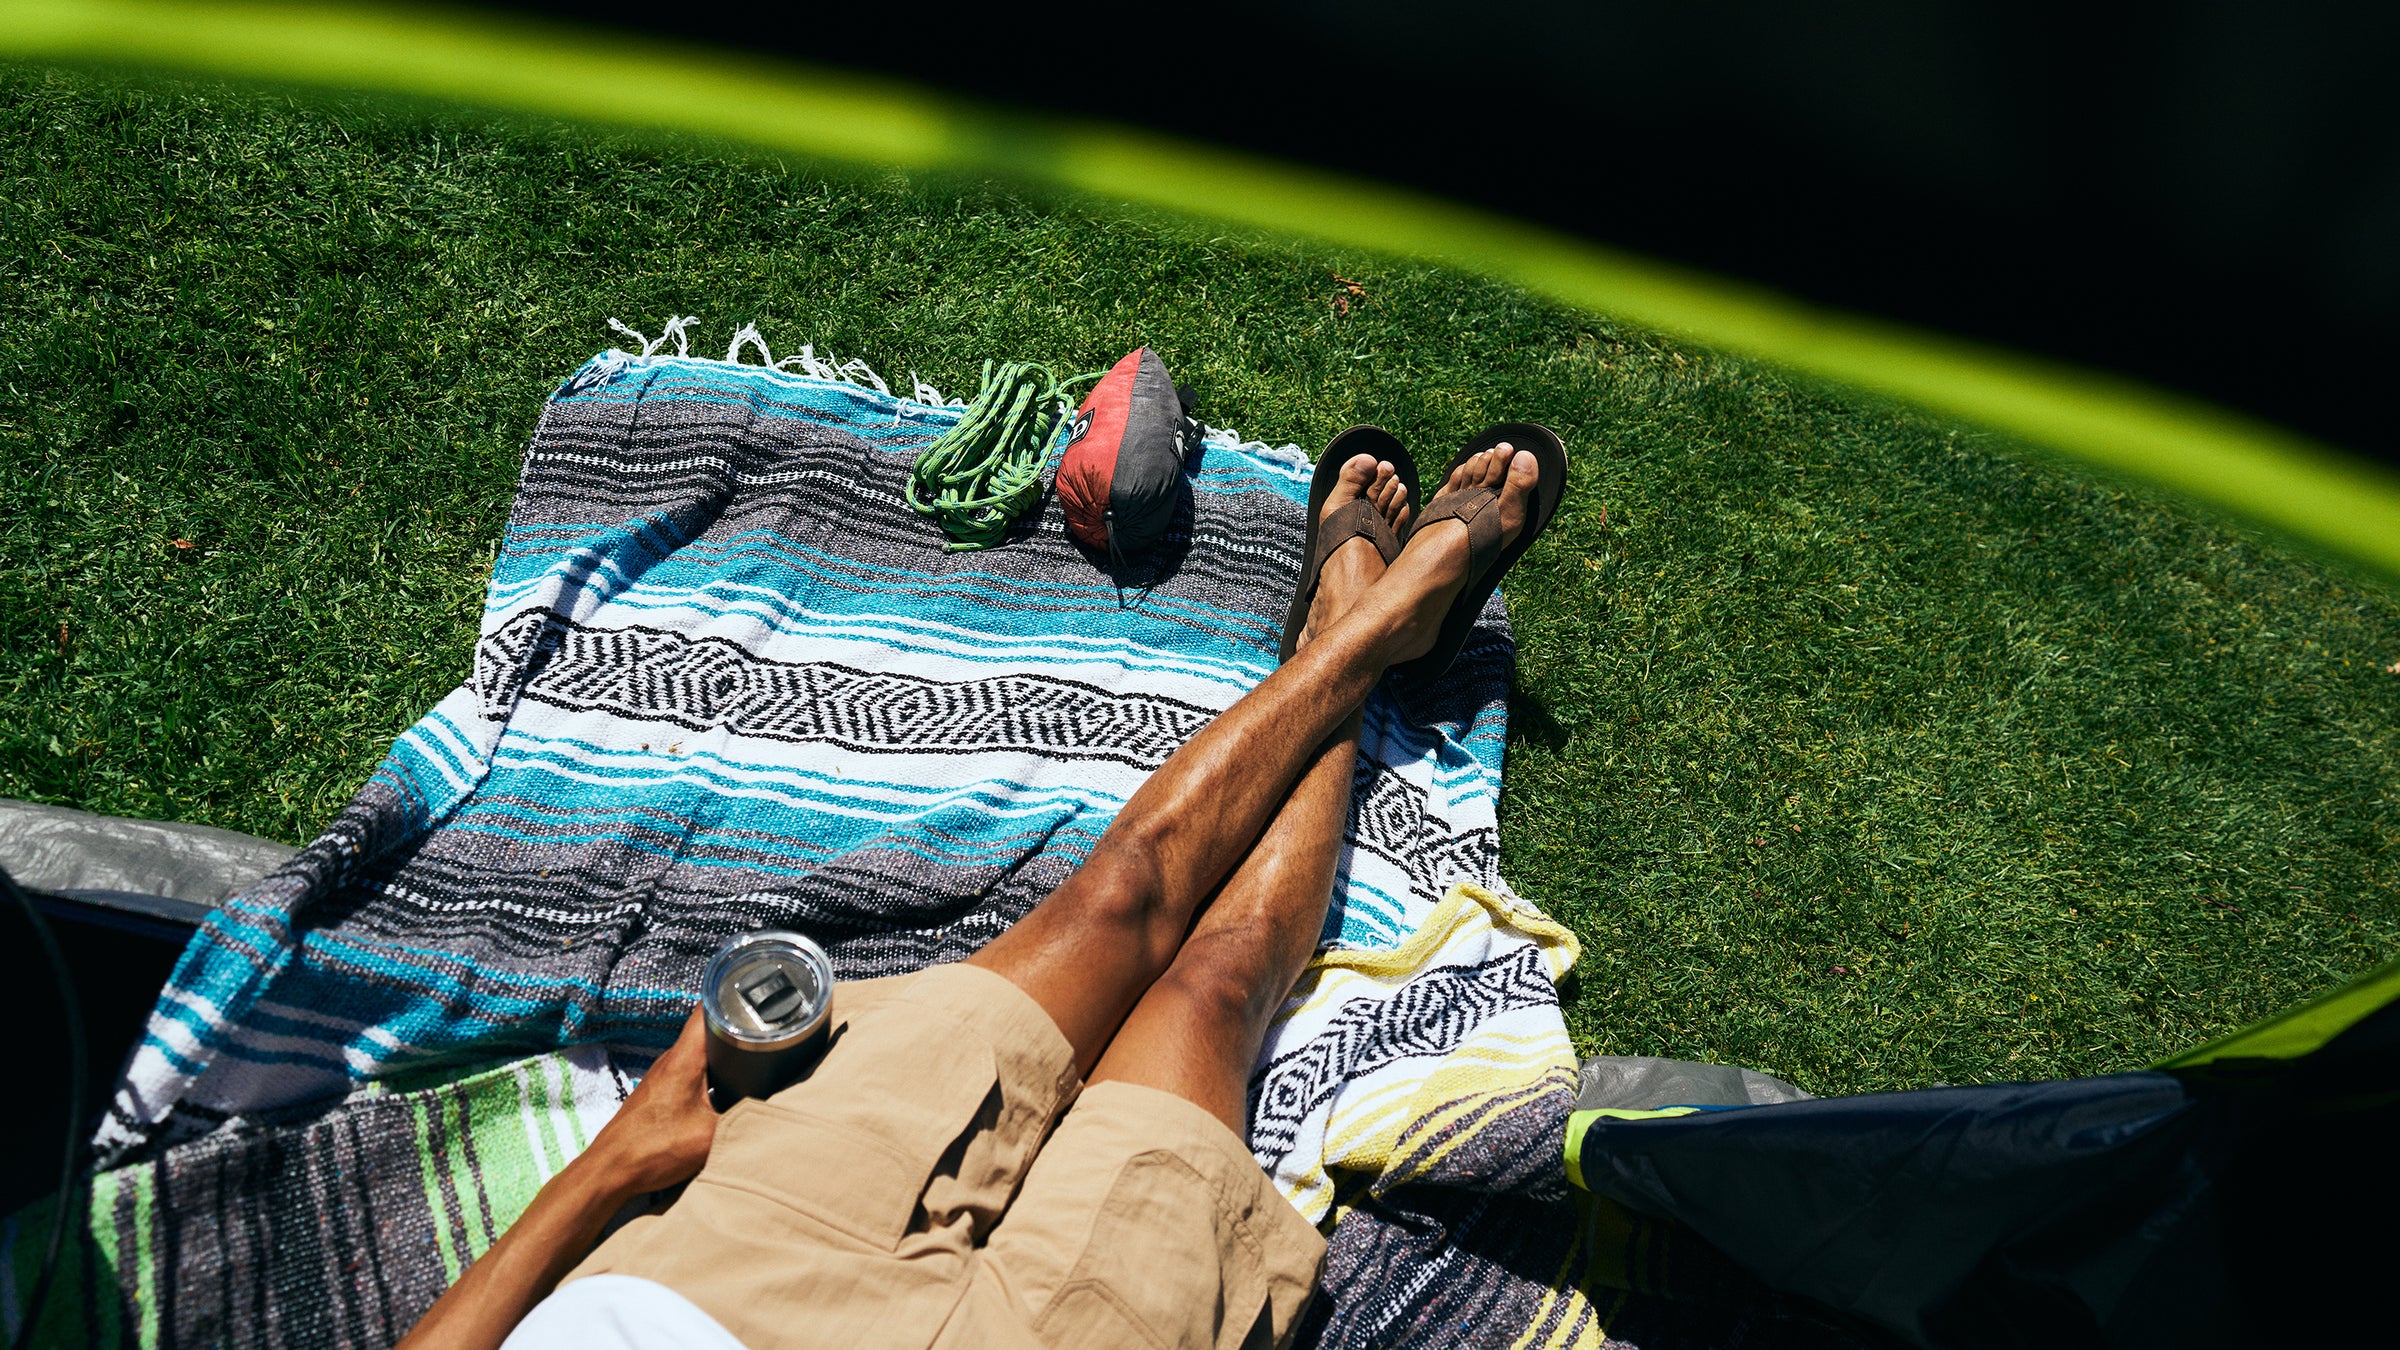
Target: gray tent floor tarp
(176,873)
(1639,1082)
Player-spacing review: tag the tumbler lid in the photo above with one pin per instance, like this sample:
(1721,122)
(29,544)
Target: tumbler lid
(767,987)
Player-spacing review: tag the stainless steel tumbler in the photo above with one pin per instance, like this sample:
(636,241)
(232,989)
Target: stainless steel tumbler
(768,1001)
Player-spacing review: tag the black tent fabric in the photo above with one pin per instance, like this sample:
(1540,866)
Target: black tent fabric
(2237,1193)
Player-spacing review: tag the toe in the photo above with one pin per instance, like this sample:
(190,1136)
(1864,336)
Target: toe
(1495,465)
(1468,473)
(1523,469)
(1357,480)
(1516,493)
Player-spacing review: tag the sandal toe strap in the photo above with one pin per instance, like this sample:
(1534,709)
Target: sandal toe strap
(1474,508)
(1354,520)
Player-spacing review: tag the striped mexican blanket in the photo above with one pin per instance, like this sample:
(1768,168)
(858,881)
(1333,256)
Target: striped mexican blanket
(726,679)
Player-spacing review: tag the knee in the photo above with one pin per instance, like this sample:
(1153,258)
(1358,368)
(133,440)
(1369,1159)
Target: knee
(1125,894)
(1225,983)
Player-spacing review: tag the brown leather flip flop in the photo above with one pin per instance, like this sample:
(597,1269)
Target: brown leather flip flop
(1350,522)
(1487,560)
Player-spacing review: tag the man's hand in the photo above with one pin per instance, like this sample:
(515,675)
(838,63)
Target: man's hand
(658,1138)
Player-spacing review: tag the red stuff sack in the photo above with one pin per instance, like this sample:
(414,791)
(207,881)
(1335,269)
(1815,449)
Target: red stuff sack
(1122,475)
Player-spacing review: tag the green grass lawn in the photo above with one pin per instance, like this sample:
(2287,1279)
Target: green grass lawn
(1859,747)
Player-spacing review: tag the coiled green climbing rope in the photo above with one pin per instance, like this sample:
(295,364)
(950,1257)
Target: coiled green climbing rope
(979,476)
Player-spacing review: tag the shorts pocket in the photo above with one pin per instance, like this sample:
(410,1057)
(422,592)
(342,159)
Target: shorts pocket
(1163,1257)
(854,1146)
(1087,1316)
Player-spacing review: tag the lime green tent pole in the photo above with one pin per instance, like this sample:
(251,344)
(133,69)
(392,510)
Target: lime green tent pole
(2273,476)
(2291,1034)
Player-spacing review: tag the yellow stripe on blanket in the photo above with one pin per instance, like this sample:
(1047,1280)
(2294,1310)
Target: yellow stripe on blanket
(1440,1041)
(1462,908)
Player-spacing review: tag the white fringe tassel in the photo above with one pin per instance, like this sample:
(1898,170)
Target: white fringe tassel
(675,327)
(856,371)
(827,367)
(749,336)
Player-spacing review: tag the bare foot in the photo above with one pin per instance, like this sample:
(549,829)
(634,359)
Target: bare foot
(1436,557)
(1356,565)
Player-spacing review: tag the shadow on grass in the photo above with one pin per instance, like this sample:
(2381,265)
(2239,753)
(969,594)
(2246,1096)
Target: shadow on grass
(1531,721)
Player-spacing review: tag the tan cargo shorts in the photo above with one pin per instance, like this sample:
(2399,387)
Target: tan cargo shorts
(939,1181)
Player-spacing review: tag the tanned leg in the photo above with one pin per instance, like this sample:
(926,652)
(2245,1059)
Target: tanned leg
(1089,951)
(1197,1032)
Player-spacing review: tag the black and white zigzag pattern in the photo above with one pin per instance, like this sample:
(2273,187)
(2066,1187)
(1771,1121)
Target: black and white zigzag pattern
(711,684)
(1426,1018)
(1389,817)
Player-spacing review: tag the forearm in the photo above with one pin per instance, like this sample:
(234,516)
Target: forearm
(521,1269)
(659,1138)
